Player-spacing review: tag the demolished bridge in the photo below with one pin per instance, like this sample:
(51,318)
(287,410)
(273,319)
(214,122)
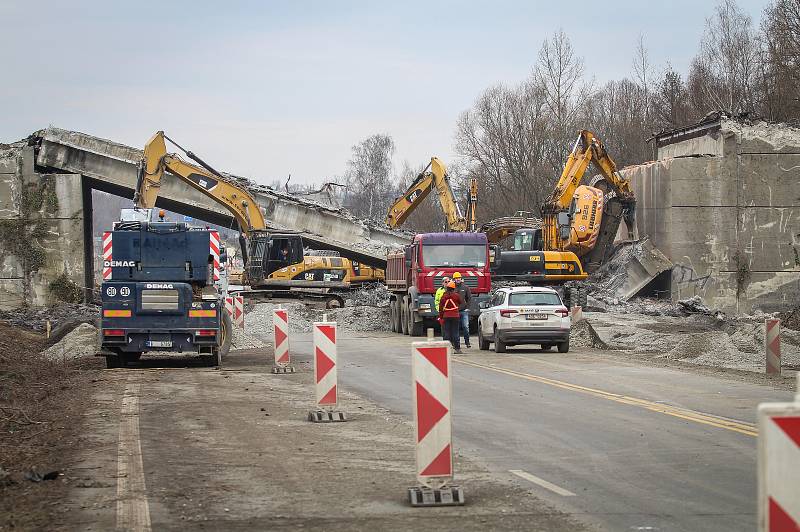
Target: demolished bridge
(46,183)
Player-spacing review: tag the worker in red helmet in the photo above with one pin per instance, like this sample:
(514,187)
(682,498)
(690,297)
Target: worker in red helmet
(448,310)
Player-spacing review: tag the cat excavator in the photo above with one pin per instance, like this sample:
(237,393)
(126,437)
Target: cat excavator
(419,189)
(274,260)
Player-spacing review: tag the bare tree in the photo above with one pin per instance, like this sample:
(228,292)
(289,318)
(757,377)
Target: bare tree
(559,74)
(726,67)
(780,61)
(671,101)
(369,173)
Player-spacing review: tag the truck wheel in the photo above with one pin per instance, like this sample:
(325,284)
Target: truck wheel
(334,302)
(395,304)
(391,316)
(226,332)
(416,328)
(113,361)
(404,315)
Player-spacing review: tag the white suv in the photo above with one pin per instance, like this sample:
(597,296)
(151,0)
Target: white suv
(524,315)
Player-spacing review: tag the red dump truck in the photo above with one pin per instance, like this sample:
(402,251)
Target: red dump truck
(414,274)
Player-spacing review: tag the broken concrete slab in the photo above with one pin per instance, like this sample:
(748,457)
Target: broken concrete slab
(632,267)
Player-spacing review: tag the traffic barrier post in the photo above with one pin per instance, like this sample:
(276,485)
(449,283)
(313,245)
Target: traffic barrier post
(432,392)
(772,346)
(325,374)
(779,465)
(238,311)
(280,341)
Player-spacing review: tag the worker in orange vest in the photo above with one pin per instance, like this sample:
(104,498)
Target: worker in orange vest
(448,310)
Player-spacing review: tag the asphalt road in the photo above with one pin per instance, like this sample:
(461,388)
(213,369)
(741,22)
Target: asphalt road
(615,444)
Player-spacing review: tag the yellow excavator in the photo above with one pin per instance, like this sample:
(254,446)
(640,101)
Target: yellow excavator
(273,259)
(416,193)
(584,219)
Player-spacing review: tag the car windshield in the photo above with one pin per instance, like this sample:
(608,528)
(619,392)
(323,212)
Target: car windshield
(534,298)
(434,255)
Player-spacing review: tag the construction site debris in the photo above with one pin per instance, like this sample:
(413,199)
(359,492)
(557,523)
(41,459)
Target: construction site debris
(36,318)
(357,318)
(702,337)
(630,269)
(373,295)
(80,342)
(582,334)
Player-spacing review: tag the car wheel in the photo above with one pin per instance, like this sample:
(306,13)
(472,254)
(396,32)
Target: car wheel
(563,347)
(499,345)
(483,343)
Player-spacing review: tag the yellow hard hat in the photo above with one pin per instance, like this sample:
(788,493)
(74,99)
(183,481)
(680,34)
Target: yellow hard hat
(457,275)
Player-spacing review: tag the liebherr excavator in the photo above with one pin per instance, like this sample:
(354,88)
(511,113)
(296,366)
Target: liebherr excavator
(273,259)
(584,219)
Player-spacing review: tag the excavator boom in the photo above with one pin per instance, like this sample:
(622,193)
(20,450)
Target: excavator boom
(416,193)
(581,218)
(241,204)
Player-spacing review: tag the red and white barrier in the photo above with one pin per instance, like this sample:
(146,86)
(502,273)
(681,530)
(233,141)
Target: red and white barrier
(772,345)
(213,248)
(325,373)
(779,466)
(107,245)
(229,305)
(280,336)
(432,391)
(238,311)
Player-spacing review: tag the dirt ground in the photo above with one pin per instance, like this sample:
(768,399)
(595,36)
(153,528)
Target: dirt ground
(231,449)
(41,409)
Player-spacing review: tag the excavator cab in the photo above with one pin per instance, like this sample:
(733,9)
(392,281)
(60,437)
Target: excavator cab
(270,252)
(527,240)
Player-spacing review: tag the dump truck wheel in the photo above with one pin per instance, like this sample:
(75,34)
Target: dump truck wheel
(404,315)
(391,316)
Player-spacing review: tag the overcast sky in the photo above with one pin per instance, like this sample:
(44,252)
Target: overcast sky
(264,89)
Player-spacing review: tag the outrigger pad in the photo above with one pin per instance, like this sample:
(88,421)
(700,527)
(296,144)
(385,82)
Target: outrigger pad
(446,496)
(282,369)
(323,416)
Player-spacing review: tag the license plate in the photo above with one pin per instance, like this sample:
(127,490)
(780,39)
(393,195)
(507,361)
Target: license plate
(159,343)
(536,316)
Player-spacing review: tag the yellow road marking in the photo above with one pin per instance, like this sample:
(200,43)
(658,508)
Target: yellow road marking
(741,427)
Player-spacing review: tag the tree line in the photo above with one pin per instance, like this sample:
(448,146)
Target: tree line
(515,139)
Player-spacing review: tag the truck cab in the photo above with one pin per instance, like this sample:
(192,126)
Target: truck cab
(414,274)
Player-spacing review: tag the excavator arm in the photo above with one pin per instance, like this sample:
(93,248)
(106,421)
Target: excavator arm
(416,193)
(241,204)
(472,205)
(562,229)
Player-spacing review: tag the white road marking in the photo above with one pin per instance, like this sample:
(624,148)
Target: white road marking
(542,482)
(133,512)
